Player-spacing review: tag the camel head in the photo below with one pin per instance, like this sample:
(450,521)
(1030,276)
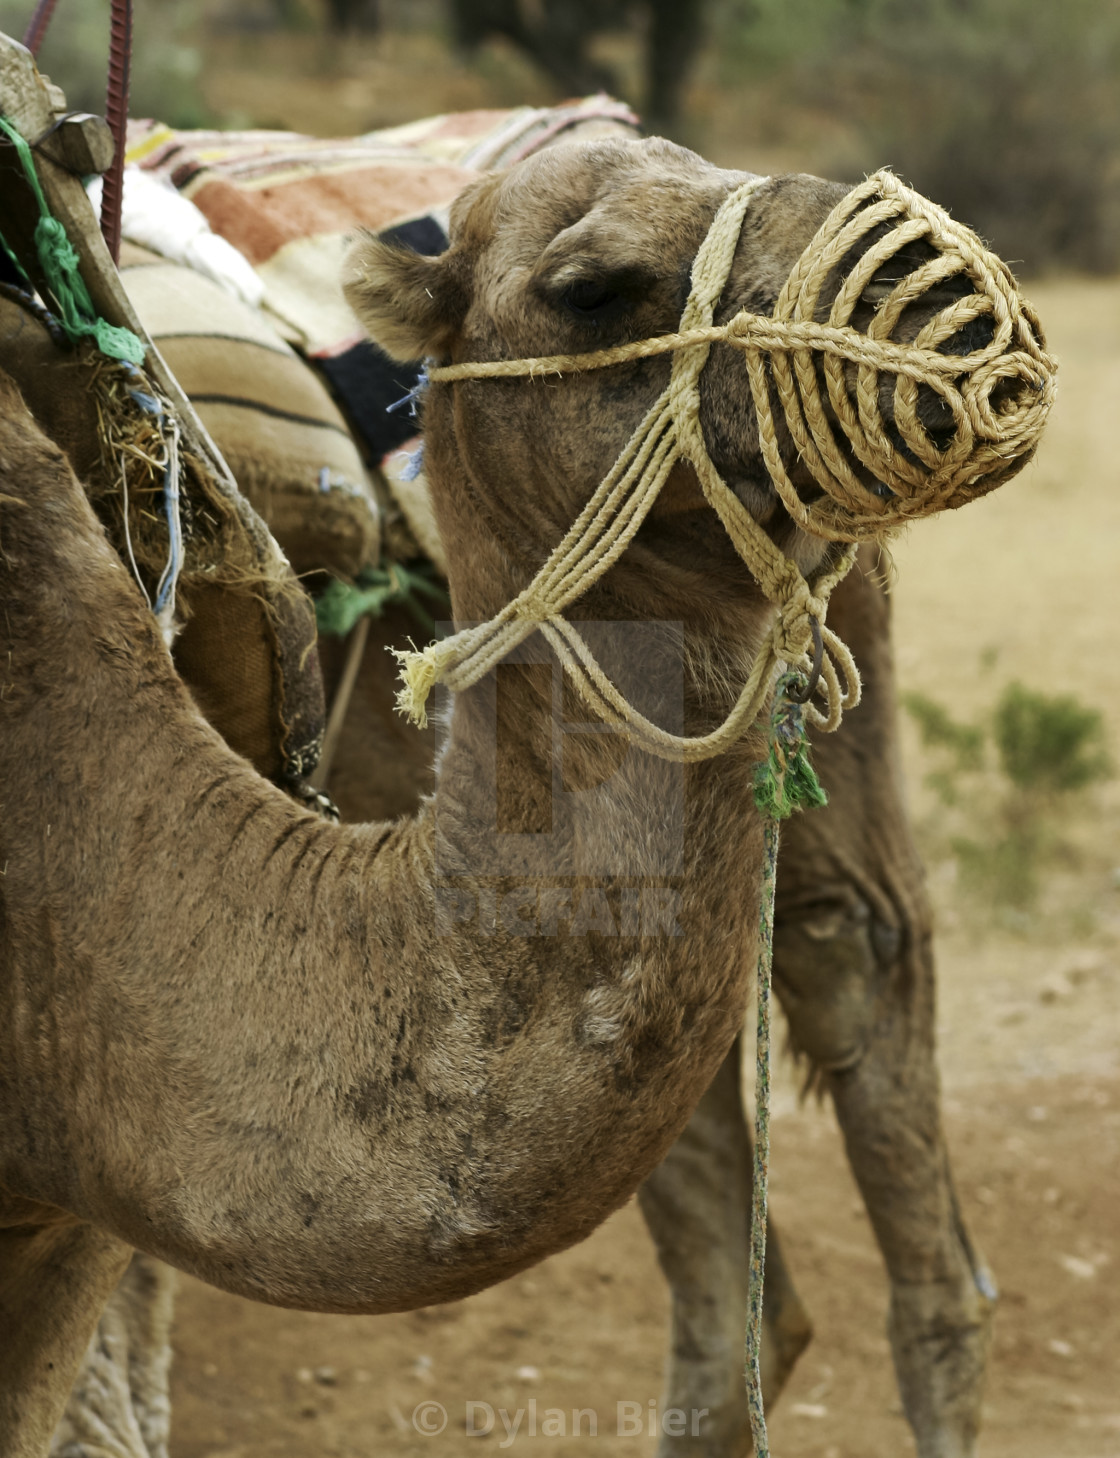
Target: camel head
(580,247)
(591,245)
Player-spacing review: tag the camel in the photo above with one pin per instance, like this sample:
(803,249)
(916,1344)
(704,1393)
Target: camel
(854,973)
(399,1104)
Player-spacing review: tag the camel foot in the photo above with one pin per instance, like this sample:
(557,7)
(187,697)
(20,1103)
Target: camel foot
(939,1334)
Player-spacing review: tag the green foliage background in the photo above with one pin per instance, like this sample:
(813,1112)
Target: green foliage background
(1006,111)
(166,60)
(1009,785)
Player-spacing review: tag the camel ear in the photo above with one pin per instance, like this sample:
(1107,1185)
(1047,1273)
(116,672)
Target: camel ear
(411,305)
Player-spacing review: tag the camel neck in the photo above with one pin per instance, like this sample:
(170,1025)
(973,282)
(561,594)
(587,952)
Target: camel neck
(533,784)
(350,1068)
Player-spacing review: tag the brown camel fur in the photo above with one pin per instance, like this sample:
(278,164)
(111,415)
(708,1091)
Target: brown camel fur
(329,1086)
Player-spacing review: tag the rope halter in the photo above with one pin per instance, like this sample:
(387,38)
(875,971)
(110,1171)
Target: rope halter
(829,379)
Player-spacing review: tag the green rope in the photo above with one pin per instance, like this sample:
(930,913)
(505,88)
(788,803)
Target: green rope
(59,261)
(783,783)
(343,603)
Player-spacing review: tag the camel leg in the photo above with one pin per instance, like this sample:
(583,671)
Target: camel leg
(854,968)
(869,1026)
(119,1406)
(55,1278)
(697,1206)
(150,1288)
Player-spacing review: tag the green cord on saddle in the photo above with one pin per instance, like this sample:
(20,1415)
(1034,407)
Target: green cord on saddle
(341,605)
(59,261)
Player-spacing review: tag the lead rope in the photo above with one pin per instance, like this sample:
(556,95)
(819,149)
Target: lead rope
(784,782)
(760,1183)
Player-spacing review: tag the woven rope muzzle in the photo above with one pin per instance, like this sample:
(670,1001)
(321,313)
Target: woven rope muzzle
(873,477)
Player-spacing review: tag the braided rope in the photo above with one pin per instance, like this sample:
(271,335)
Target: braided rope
(760,1181)
(788,354)
(605,527)
(783,783)
(987,436)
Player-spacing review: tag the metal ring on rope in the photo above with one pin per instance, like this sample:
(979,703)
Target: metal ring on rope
(803,695)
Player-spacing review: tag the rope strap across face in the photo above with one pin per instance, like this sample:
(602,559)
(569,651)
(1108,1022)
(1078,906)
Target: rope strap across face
(997,397)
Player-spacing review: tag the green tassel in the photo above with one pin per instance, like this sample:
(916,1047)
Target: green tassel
(343,603)
(786,781)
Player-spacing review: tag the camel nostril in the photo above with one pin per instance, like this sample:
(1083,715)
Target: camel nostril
(975,335)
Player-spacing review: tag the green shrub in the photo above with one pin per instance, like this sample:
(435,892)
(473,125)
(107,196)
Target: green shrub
(1008,782)
(1050,745)
(941,731)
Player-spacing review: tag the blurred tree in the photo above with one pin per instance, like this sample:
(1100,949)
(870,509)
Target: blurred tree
(556,35)
(1006,111)
(166,60)
(351,15)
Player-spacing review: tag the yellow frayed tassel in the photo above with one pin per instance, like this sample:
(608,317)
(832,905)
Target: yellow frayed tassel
(420,671)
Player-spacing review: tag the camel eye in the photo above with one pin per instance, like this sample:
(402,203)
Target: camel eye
(602,295)
(589,297)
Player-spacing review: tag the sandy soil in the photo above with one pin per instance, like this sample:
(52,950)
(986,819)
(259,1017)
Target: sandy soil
(1038,1168)
(1022,585)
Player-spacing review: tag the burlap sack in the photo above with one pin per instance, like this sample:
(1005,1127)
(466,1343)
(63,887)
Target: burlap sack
(282,435)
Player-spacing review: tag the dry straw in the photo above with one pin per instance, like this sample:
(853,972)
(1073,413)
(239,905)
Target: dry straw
(831,380)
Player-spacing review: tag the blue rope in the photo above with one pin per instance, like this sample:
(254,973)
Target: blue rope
(414,396)
(165,589)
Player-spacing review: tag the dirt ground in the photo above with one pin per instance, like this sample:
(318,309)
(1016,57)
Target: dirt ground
(1037,1161)
(1022,585)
